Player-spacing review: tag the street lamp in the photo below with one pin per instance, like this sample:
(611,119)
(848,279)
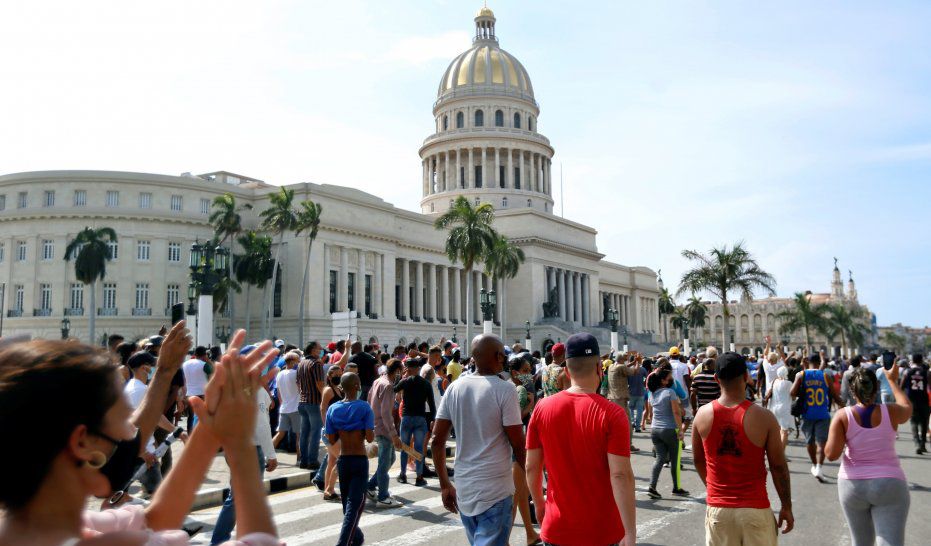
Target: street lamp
(454,340)
(732,340)
(191,312)
(488,301)
(65,327)
(222,333)
(785,344)
(625,340)
(527,340)
(209,265)
(613,317)
(685,339)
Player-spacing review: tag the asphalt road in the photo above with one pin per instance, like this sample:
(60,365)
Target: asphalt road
(303,517)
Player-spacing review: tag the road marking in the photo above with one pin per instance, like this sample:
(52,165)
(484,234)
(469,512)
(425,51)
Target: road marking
(368,520)
(650,527)
(424,534)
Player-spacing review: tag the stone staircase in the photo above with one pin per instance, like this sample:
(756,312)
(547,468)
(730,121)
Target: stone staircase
(560,330)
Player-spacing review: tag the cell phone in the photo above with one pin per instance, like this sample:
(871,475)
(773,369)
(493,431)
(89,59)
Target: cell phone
(888,360)
(177,313)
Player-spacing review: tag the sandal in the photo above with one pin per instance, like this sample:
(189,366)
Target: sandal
(332,498)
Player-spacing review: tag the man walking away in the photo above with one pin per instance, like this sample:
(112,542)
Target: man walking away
(417,395)
(367,365)
(915,382)
(731,436)
(486,413)
(351,422)
(618,388)
(310,387)
(381,399)
(584,442)
(814,385)
(289,418)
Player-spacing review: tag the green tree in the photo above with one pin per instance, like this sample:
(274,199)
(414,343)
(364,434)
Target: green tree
(894,341)
(227,225)
(666,306)
(696,311)
(803,315)
(679,319)
(723,272)
(278,218)
(254,266)
(308,221)
(469,238)
(847,322)
(90,252)
(502,261)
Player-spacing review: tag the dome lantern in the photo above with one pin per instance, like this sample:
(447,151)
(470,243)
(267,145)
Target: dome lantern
(485,25)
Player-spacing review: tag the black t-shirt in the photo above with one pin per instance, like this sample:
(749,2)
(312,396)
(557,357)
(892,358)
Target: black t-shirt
(417,394)
(368,367)
(915,385)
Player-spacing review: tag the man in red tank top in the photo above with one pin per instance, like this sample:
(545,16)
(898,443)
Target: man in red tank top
(730,438)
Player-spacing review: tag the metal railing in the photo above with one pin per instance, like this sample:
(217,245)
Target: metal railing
(107,311)
(142,312)
(41,312)
(74,311)
(14,313)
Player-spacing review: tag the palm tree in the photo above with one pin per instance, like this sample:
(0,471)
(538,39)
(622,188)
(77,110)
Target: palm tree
(469,238)
(227,224)
(845,321)
(254,266)
(679,320)
(278,218)
(723,272)
(91,253)
(803,315)
(696,311)
(502,261)
(666,306)
(308,219)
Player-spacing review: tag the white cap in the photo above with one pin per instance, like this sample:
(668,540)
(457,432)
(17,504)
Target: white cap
(279,343)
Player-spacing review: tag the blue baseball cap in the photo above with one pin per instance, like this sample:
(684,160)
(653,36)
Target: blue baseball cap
(581,344)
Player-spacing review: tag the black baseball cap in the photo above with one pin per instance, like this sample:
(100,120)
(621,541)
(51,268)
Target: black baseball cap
(142,358)
(581,344)
(730,365)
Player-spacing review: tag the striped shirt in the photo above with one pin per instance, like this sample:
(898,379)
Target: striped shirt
(309,372)
(705,387)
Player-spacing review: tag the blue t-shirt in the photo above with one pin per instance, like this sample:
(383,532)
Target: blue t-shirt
(662,400)
(884,387)
(817,397)
(635,381)
(349,415)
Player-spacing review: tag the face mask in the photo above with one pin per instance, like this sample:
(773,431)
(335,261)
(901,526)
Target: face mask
(151,373)
(525,378)
(121,466)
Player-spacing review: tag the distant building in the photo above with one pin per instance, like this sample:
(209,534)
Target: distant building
(917,340)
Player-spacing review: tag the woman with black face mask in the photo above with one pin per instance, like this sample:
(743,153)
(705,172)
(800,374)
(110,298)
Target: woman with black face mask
(44,495)
(332,393)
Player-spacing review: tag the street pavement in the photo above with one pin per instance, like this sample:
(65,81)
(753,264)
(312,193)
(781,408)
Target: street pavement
(304,518)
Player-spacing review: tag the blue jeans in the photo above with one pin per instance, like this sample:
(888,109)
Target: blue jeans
(227,518)
(320,475)
(492,527)
(311,428)
(636,411)
(385,460)
(353,474)
(416,427)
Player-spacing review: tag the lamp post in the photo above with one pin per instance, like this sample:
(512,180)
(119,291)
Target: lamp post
(190,314)
(527,341)
(685,339)
(65,327)
(454,340)
(625,340)
(208,267)
(488,301)
(223,334)
(732,340)
(613,316)
(785,344)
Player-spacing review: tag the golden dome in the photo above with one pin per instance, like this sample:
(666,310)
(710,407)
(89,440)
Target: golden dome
(489,67)
(485,12)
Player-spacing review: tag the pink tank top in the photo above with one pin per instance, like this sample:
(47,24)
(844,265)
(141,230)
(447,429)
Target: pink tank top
(870,452)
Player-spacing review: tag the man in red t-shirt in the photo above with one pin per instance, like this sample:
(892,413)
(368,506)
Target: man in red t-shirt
(583,440)
(730,439)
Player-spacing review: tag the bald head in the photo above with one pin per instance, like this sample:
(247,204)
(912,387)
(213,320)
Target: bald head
(488,353)
(350,384)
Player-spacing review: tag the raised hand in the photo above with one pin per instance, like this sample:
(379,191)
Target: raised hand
(174,348)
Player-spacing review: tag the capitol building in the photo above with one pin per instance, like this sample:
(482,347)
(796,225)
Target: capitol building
(376,270)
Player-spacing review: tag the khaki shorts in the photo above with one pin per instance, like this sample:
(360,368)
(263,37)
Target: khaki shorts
(740,527)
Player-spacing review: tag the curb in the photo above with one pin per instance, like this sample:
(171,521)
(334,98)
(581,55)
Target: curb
(210,498)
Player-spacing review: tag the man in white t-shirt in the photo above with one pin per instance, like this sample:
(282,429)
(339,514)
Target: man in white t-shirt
(289,419)
(140,366)
(485,411)
(771,365)
(195,372)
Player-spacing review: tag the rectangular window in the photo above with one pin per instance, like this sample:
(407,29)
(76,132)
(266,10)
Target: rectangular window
(142,295)
(80,198)
(145,200)
(21,251)
(48,198)
(22,200)
(176,203)
(368,295)
(20,292)
(205,206)
(334,290)
(174,294)
(478,176)
(501,171)
(113,198)
(77,295)
(516,178)
(3,202)
(45,297)
(174,252)
(142,250)
(2,252)
(352,291)
(109,295)
(276,296)
(114,249)
(48,249)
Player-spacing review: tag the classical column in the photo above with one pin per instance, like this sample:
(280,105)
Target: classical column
(457,293)
(533,172)
(577,295)
(360,285)
(586,303)
(484,168)
(376,289)
(326,279)
(405,290)
(497,167)
(549,177)
(444,291)
(446,163)
(563,279)
(456,181)
(418,290)
(571,294)
(520,169)
(470,170)
(424,168)
(343,279)
(433,290)
(510,174)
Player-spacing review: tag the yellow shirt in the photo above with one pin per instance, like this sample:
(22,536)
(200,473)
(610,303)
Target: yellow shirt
(453,370)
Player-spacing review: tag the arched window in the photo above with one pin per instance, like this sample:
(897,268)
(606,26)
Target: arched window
(445,123)
(530,123)
(460,120)
(504,202)
(432,209)
(516,120)
(479,118)
(499,118)
(478,201)
(530,203)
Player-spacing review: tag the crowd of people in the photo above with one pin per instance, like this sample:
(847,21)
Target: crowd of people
(548,434)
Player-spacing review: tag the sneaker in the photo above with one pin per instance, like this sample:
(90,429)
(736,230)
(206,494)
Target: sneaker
(814,470)
(819,475)
(653,493)
(420,482)
(387,502)
(634,449)
(427,473)
(402,478)
(319,485)
(372,493)
(680,492)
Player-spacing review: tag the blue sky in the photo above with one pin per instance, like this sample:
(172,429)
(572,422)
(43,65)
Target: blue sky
(802,128)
